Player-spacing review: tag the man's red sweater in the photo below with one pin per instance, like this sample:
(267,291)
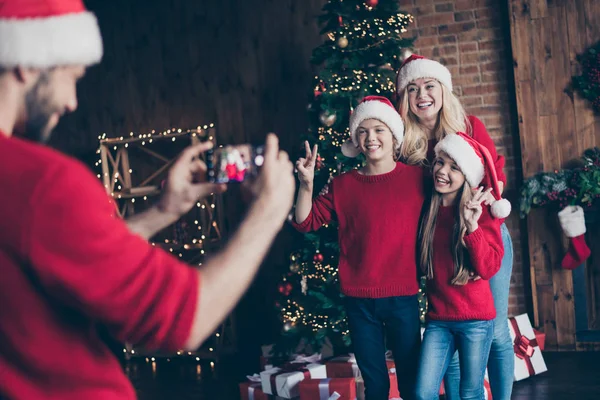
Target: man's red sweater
(378,217)
(69,265)
(474,300)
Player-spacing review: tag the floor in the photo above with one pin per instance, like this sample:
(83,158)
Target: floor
(570,376)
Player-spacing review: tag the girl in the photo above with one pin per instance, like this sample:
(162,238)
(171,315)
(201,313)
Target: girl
(375,209)
(430,111)
(458,237)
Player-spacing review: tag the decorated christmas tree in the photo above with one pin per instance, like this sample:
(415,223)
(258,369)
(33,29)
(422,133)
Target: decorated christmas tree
(363,47)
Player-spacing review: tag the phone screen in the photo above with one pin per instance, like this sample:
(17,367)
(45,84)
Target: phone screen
(234,163)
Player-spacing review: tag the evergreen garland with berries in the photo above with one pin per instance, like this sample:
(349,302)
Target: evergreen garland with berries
(588,83)
(578,186)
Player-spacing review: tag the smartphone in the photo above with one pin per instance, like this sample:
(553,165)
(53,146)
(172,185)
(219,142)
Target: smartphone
(234,163)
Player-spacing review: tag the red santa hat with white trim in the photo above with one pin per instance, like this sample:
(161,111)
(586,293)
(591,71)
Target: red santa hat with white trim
(477,165)
(48,33)
(417,67)
(373,107)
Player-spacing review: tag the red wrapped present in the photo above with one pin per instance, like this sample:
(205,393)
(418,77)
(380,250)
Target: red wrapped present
(342,367)
(528,355)
(284,381)
(328,389)
(541,338)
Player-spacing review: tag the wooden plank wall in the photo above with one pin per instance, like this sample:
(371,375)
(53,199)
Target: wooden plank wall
(555,126)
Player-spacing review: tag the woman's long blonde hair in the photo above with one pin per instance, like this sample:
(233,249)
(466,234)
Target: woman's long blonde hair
(452,118)
(462,267)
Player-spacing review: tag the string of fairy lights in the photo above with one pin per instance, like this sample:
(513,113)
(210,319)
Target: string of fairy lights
(375,28)
(356,80)
(146,139)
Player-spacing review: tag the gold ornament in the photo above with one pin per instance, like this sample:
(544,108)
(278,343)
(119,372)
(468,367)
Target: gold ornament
(287,326)
(294,267)
(342,42)
(327,119)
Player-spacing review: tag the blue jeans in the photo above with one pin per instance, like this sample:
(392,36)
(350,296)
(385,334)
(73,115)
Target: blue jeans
(371,320)
(471,340)
(501,365)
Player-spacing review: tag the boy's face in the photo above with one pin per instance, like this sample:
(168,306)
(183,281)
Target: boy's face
(375,140)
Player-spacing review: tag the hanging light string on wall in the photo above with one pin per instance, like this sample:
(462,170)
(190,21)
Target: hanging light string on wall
(114,143)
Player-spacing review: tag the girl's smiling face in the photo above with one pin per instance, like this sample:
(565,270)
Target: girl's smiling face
(447,176)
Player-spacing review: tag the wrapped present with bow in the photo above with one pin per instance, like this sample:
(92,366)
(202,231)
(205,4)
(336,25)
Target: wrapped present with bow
(284,381)
(528,355)
(328,389)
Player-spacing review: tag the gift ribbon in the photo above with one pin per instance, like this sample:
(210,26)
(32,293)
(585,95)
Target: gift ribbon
(286,370)
(251,390)
(524,347)
(324,391)
(300,359)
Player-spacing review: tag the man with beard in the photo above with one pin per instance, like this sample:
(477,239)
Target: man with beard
(68,265)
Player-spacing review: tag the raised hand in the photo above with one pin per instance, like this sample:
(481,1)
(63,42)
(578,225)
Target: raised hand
(473,209)
(306,165)
(274,187)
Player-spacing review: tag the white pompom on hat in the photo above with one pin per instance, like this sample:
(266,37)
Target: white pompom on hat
(48,33)
(476,164)
(417,67)
(373,107)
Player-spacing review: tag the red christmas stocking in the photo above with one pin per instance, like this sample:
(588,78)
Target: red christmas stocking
(572,222)
(578,252)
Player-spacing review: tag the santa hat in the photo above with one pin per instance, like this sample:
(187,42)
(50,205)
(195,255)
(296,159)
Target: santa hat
(48,33)
(416,67)
(373,107)
(476,164)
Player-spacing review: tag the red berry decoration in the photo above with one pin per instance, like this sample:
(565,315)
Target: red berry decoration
(285,288)
(372,3)
(318,257)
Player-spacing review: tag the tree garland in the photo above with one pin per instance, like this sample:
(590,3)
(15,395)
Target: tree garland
(588,83)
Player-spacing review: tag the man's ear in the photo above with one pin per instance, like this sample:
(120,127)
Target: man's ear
(27,76)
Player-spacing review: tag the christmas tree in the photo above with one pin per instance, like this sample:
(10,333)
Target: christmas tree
(363,48)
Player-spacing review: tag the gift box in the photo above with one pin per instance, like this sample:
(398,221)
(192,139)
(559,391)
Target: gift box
(342,367)
(541,339)
(253,391)
(528,355)
(284,382)
(328,389)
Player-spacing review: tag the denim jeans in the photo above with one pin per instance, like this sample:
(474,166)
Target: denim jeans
(371,321)
(471,340)
(501,365)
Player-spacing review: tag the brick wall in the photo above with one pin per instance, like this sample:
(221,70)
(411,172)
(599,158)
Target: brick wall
(471,37)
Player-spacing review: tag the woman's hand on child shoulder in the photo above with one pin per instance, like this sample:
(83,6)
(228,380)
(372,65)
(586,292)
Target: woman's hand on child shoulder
(306,165)
(473,209)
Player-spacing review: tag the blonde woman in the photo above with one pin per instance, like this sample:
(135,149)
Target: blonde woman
(430,111)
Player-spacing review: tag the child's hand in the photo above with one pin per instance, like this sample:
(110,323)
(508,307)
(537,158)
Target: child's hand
(306,166)
(473,209)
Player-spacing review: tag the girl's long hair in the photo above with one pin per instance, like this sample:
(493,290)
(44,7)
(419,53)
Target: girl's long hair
(452,118)
(462,266)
